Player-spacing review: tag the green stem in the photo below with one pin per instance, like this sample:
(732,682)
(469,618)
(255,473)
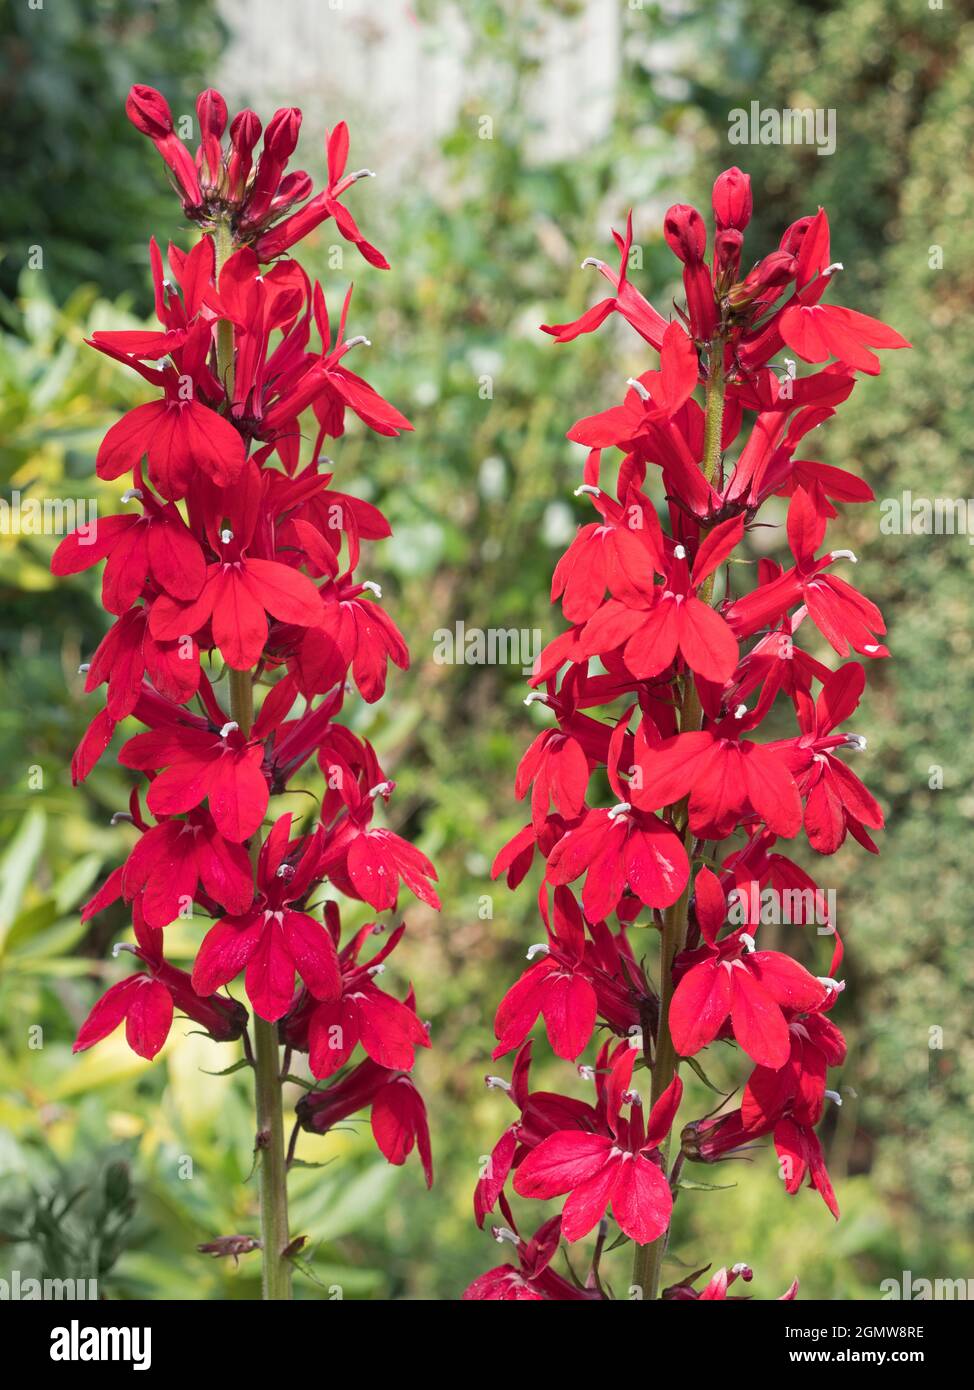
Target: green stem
(648,1260)
(274,1229)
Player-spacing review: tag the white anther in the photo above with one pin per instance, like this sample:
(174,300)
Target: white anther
(497,1083)
(536,697)
(84,668)
(502,1233)
(121,818)
(834,1097)
(635,1036)
(360,341)
(229,727)
(381,789)
(121,946)
(740,711)
(631,1098)
(586,1072)
(845,555)
(132,493)
(540,948)
(373,587)
(620,809)
(592,260)
(680,552)
(748,942)
(285,871)
(857,742)
(831,269)
(226,536)
(374,970)
(741,1268)
(638,387)
(870,648)
(826,981)
(590,488)
(363,174)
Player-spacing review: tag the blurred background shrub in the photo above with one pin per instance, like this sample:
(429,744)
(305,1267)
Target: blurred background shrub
(485,224)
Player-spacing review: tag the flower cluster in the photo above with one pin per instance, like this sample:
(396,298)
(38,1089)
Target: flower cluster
(239,633)
(656,691)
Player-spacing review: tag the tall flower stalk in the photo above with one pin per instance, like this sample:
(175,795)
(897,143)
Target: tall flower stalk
(239,635)
(656,689)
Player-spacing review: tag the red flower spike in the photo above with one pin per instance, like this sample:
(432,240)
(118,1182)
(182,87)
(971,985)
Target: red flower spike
(636,586)
(240,550)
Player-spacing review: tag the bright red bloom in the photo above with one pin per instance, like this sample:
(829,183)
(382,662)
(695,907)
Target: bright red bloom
(388,1030)
(844,616)
(156,546)
(369,862)
(146,1002)
(236,597)
(220,766)
(727,778)
(274,938)
(399,1121)
(675,621)
(617,1169)
(557,987)
(731,978)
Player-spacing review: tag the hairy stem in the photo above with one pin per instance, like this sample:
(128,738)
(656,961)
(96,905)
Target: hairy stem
(648,1260)
(274,1230)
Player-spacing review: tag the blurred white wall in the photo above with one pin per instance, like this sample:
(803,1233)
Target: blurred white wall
(402,82)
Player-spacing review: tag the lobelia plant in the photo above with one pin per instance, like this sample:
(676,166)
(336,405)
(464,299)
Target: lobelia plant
(689,846)
(238,551)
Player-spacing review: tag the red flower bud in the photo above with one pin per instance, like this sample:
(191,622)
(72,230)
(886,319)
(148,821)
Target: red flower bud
(211,110)
(727,251)
(732,200)
(149,112)
(281,135)
(685,233)
(245,131)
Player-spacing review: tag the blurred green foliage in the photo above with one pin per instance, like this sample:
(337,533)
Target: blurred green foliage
(85,192)
(485,246)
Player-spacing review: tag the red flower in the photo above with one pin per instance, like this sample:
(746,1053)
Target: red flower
(146,1002)
(388,1030)
(819,331)
(557,987)
(727,778)
(369,862)
(731,978)
(620,1169)
(843,615)
(156,546)
(177,437)
(398,1114)
(675,620)
(238,594)
(220,766)
(274,938)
